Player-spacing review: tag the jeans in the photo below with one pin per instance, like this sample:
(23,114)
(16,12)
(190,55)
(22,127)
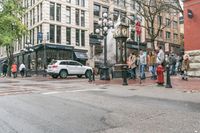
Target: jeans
(153,71)
(142,71)
(133,73)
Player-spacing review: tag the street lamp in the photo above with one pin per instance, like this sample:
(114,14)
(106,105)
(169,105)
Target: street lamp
(28,48)
(104,23)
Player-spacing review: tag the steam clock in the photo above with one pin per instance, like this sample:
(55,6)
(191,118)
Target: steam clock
(121,35)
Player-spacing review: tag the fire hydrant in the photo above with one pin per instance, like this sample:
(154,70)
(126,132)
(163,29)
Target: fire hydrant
(160,74)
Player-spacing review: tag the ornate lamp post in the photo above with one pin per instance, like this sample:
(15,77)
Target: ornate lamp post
(28,49)
(105,23)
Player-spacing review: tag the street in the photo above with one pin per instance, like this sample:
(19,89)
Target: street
(44,105)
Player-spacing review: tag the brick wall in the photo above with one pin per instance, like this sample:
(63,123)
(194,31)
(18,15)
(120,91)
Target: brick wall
(192,26)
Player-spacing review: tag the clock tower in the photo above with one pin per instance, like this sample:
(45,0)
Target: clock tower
(120,68)
(121,35)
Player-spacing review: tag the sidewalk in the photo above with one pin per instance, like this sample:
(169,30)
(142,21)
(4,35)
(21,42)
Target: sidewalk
(192,85)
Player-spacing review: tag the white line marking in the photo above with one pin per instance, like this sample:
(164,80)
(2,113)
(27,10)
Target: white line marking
(52,92)
(82,90)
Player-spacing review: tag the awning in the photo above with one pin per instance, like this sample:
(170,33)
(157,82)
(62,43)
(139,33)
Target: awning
(54,46)
(95,41)
(81,55)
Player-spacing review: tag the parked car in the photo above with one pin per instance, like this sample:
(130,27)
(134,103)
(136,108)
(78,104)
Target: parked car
(64,68)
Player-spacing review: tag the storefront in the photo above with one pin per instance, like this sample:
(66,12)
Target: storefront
(36,59)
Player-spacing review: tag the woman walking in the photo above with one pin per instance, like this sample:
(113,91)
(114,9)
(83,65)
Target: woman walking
(14,70)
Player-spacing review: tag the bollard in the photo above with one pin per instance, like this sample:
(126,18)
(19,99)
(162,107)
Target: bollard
(124,75)
(90,76)
(93,75)
(168,80)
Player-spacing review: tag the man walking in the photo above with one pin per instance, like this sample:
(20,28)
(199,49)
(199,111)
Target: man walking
(22,69)
(4,69)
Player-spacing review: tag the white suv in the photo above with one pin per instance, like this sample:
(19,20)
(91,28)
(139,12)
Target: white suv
(63,68)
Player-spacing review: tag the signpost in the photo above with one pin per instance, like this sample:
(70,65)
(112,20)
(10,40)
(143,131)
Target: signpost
(138,31)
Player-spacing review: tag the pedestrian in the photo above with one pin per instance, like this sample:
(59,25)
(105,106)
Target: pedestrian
(22,69)
(185,67)
(4,69)
(132,60)
(160,57)
(14,70)
(152,64)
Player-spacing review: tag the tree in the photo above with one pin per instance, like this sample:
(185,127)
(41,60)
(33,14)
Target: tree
(11,27)
(176,5)
(151,11)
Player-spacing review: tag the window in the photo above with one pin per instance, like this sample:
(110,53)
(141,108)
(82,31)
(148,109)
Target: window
(133,35)
(58,34)
(77,2)
(68,1)
(33,36)
(68,36)
(159,20)
(123,16)
(77,37)
(58,12)
(117,2)
(123,3)
(168,35)
(105,9)
(115,15)
(175,24)
(96,10)
(82,18)
(33,15)
(38,30)
(83,3)
(133,4)
(52,33)
(95,27)
(41,11)
(31,18)
(175,37)
(168,23)
(38,15)
(77,17)
(52,11)
(161,34)
(68,15)
(83,38)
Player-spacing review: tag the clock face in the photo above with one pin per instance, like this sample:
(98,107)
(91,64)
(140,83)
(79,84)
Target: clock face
(118,32)
(124,32)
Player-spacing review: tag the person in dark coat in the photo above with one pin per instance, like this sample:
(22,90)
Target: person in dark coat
(4,69)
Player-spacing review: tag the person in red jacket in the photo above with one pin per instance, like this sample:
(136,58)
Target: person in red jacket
(14,70)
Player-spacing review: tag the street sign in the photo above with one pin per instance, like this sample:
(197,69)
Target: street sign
(40,36)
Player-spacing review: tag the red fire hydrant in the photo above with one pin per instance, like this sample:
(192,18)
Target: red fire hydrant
(160,74)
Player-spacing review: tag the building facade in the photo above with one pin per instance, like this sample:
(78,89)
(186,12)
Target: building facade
(58,29)
(192,34)
(65,29)
(169,37)
(115,8)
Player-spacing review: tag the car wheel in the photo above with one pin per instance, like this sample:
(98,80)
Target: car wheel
(54,76)
(88,73)
(79,76)
(63,74)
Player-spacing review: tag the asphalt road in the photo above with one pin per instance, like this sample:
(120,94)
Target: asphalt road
(75,106)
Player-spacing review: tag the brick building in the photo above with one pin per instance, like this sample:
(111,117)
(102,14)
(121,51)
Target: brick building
(192,34)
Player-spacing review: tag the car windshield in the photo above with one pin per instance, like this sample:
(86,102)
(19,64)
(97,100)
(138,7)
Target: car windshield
(53,62)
